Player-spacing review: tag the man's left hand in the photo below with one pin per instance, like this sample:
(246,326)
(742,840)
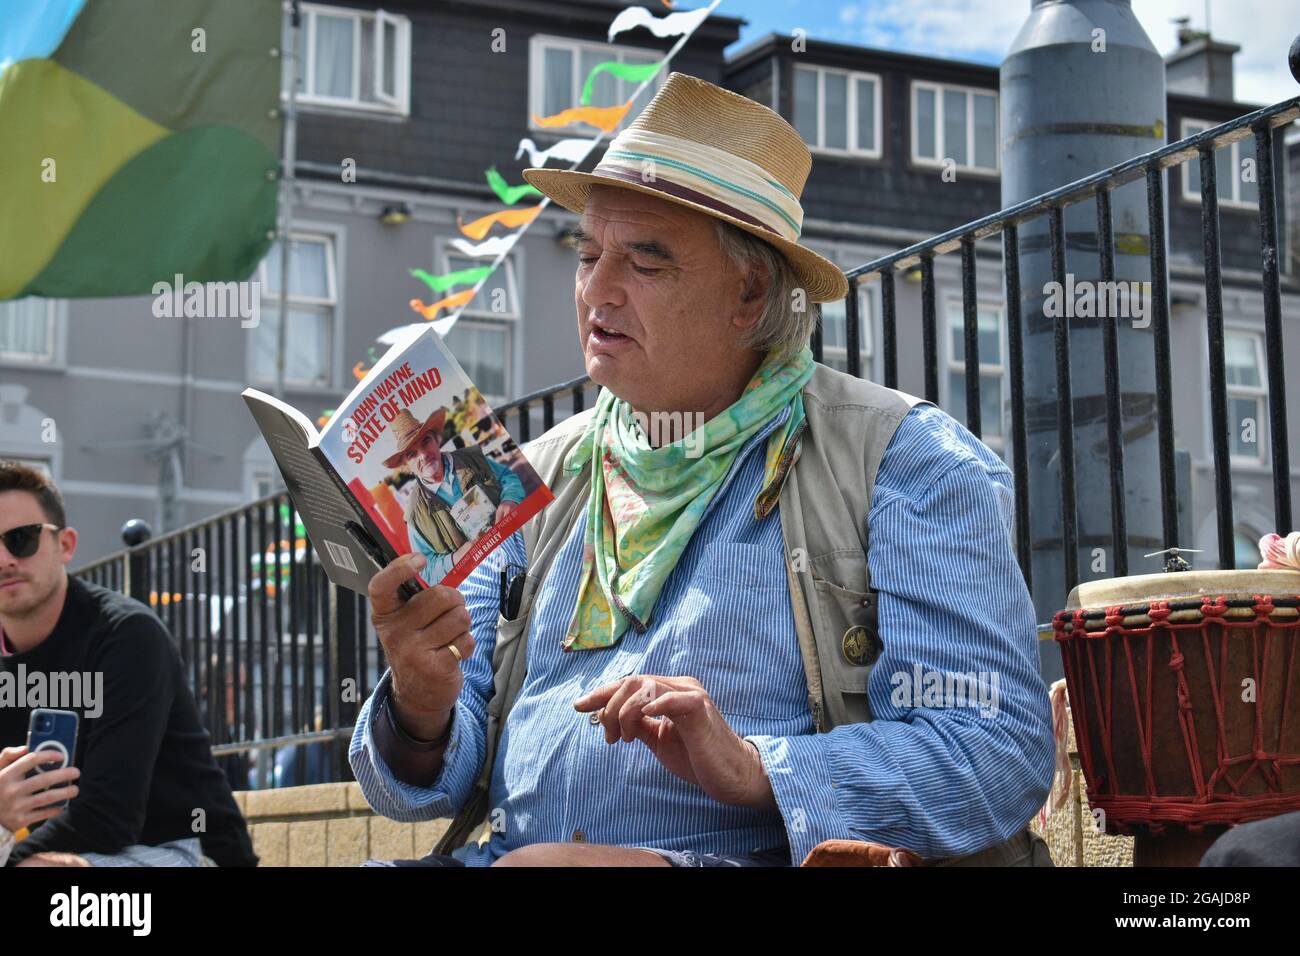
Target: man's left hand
(503,510)
(678,721)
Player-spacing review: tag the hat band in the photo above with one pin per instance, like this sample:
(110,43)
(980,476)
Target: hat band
(731,182)
(659,184)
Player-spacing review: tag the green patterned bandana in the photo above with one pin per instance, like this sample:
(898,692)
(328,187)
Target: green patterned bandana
(645,502)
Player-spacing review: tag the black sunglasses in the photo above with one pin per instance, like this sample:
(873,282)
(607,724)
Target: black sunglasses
(24,540)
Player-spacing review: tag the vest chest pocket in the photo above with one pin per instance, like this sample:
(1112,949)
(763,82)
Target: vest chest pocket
(508,671)
(847,620)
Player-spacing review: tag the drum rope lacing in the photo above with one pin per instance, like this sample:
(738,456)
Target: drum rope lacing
(1148,629)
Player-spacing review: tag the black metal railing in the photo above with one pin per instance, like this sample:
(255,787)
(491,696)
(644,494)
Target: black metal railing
(1150,167)
(254,613)
(274,654)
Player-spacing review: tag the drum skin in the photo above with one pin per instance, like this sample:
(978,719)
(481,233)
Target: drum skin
(1185,694)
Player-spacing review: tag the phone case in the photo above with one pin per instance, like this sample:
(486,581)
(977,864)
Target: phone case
(49,729)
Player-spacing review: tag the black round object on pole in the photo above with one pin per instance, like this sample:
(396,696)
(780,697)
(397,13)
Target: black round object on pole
(136,532)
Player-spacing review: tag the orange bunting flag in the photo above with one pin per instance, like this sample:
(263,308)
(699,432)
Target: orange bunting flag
(605,118)
(431,311)
(359,371)
(510,218)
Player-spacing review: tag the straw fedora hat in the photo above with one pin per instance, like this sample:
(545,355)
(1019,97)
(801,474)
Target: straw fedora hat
(717,152)
(408,430)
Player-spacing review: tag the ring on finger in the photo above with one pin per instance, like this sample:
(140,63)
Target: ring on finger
(455,651)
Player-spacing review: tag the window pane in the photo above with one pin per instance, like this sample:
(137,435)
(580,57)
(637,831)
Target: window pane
(954,126)
(389,80)
(957,396)
(557,81)
(805,104)
(367,92)
(306,344)
(333,56)
(835,330)
(990,405)
(837,111)
(957,335)
(986,131)
(604,92)
(308,269)
(833,324)
(1247,190)
(1242,412)
(496,287)
(1224,173)
(482,351)
(1241,360)
(866,114)
(925,145)
(25,328)
(989,337)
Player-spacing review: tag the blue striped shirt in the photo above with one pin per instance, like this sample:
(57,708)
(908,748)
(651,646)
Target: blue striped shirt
(939,780)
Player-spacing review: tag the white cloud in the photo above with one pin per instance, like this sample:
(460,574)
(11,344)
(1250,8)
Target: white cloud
(980,29)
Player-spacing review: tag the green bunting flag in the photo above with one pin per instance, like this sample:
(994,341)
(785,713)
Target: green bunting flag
(442,283)
(505,192)
(632,72)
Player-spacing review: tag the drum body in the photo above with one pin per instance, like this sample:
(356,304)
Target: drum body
(1185,693)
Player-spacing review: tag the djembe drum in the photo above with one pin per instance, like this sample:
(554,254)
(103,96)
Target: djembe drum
(1185,693)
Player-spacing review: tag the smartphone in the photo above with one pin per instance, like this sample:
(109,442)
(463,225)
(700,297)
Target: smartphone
(53,730)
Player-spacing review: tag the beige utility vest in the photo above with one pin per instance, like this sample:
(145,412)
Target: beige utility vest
(823,506)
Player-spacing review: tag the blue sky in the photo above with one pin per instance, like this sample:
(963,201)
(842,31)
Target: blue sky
(981,30)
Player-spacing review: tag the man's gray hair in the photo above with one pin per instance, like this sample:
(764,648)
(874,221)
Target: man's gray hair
(779,326)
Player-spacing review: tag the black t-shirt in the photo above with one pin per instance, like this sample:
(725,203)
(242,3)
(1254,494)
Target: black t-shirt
(146,760)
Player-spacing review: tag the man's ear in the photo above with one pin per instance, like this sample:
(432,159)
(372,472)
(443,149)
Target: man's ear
(67,544)
(753,298)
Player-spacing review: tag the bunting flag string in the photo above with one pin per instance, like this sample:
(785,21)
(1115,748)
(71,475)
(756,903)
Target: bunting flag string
(574,150)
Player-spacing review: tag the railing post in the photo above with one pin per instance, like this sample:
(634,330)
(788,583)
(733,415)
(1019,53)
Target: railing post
(343,692)
(135,533)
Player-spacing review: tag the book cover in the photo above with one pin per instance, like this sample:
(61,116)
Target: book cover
(413,460)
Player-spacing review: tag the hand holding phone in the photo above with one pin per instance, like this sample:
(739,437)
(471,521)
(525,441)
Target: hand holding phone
(52,731)
(26,799)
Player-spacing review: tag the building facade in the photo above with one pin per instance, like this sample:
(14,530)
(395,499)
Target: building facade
(402,111)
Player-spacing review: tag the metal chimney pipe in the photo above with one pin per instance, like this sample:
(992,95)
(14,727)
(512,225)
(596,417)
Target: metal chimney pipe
(1083,88)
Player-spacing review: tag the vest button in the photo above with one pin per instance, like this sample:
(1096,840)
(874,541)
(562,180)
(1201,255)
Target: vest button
(857,647)
(579,836)
(594,718)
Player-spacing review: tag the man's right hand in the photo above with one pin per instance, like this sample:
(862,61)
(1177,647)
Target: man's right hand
(20,804)
(426,676)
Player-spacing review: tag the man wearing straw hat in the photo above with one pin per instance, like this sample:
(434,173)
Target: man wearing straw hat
(710,661)
(441,480)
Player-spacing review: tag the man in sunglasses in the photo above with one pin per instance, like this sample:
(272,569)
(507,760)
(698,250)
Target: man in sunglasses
(143,788)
